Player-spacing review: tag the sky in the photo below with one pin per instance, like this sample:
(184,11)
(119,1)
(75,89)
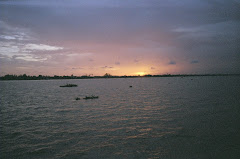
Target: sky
(120,37)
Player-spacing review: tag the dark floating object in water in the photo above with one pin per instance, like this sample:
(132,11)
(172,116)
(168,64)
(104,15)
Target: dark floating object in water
(130,86)
(91,97)
(77,98)
(69,85)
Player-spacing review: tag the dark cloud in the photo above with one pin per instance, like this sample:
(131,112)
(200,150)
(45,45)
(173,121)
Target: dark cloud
(117,63)
(136,60)
(91,60)
(172,63)
(107,67)
(152,68)
(194,61)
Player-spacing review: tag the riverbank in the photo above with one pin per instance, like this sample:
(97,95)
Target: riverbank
(42,77)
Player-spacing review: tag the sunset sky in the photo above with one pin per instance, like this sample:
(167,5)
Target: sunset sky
(120,37)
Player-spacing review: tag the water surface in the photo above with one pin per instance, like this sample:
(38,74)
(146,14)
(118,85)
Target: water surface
(171,117)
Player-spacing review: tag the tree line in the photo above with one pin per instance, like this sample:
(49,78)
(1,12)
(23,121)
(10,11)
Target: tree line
(106,75)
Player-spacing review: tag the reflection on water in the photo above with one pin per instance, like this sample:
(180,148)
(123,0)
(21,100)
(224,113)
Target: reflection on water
(156,118)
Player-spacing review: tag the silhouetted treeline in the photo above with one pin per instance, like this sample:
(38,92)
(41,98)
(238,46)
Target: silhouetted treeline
(107,75)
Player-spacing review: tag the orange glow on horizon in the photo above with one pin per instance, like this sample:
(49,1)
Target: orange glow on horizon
(140,73)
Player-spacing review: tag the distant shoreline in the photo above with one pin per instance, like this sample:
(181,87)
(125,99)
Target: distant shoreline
(42,77)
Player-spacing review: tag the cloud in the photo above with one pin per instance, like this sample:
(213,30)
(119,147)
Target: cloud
(194,61)
(172,63)
(217,33)
(40,47)
(136,60)
(26,52)
(27,57)
(117,63)
(71,54)
(4,56)
(152,68)
(17,43)
(77,68)
(17,56)
(9,48)
(12,33)
(15,36)
(216,45)
(107,67)
(7,37)
(91,60)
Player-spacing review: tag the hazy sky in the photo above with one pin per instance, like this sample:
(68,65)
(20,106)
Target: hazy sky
(120,37)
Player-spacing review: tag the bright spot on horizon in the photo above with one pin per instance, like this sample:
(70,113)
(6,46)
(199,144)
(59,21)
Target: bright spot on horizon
(140,73)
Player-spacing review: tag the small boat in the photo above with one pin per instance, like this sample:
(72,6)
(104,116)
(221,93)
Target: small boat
(90,97)
(77,98)
(69,85)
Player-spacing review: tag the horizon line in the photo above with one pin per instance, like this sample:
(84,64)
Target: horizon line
(46,77)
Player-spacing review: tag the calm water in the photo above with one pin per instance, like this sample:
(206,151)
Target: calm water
(169,118)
